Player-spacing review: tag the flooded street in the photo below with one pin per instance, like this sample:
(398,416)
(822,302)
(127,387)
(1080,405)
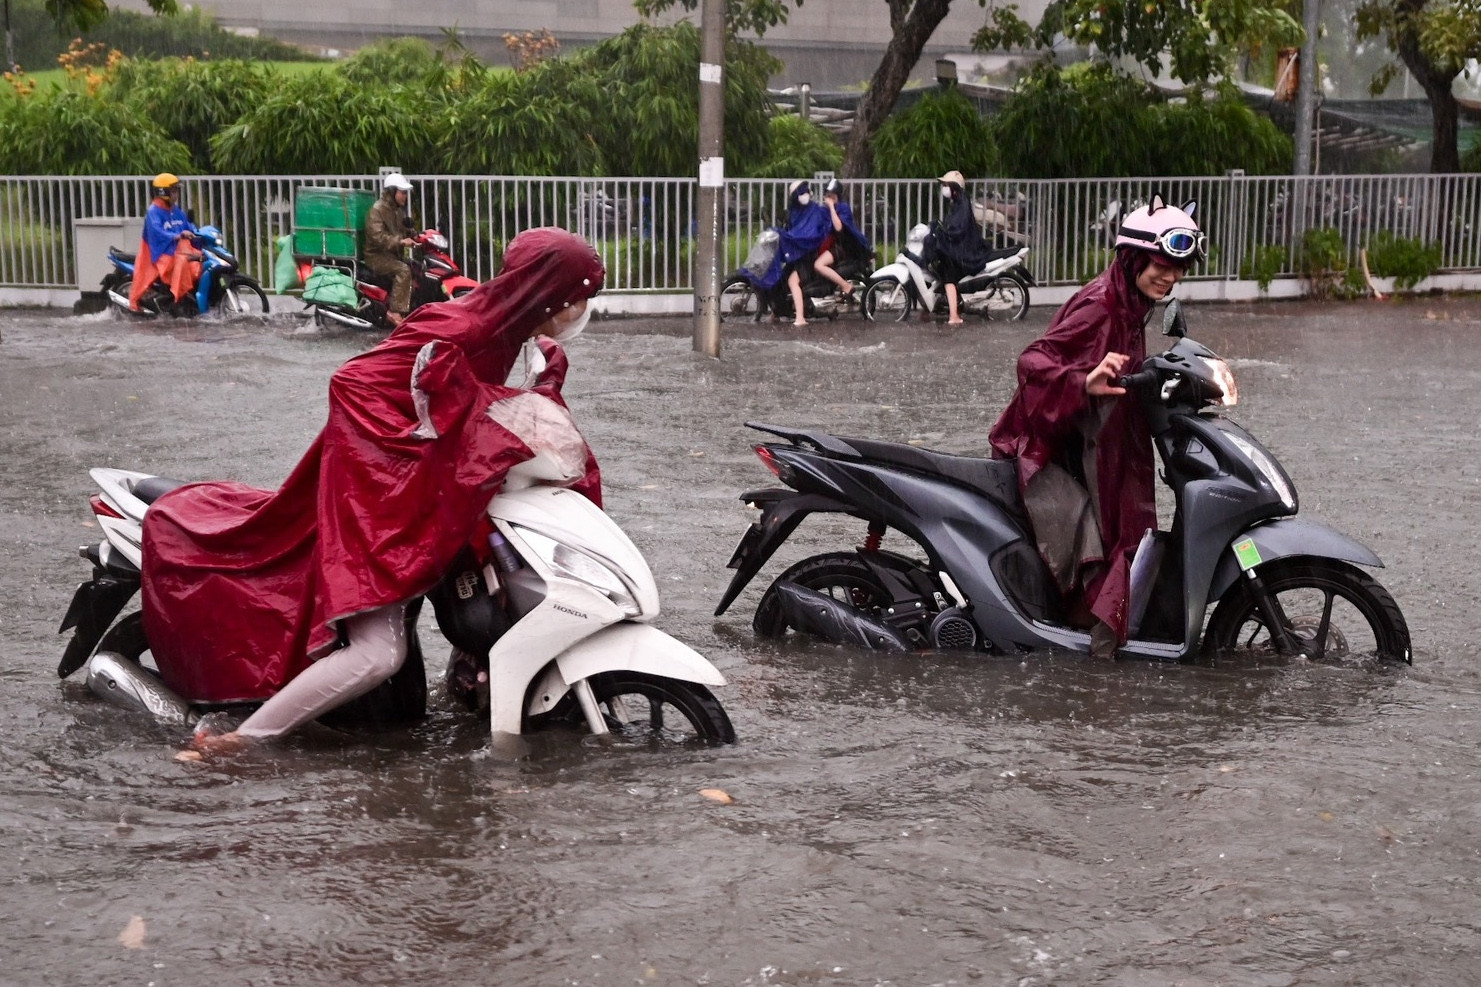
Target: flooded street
(896,820)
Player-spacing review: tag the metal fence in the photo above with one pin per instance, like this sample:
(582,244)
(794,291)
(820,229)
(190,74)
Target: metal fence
(644,228)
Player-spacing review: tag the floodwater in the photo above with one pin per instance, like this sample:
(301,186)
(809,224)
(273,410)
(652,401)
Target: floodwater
(896,820)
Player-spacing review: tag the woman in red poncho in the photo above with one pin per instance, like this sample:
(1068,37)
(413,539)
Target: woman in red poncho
(299,594)
(1085,466)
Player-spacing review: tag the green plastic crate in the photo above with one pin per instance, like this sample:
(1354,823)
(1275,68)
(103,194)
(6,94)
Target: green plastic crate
(330,222)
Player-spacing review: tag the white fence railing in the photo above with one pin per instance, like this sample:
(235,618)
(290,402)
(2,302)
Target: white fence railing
(643,228)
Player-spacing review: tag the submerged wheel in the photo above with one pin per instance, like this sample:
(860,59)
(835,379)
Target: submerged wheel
(842,575)
(1335,610)
(650,709)
(739,301)
(1006,299)
(243,296)
(887,300)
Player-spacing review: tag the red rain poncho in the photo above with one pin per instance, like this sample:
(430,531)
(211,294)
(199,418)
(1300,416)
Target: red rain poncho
(1050,410)
(242,586)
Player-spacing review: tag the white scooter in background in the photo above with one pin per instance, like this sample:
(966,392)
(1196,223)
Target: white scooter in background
(997,292)
(555,632)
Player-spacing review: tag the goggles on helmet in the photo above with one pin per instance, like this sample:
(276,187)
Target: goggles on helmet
(1179,244)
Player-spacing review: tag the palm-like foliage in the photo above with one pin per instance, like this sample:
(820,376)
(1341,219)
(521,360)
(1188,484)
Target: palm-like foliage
(322,123)
(192,100)
(65,132)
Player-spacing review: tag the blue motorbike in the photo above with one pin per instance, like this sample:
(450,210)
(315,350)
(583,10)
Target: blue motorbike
(222,287)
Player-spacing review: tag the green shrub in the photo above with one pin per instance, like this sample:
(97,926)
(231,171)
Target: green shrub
(540,122)
(1321,258)
(798,147)
(320,123)
(191,32)
(940,133)
(1091,121)
(1408,262)
(391,61)
(1269,260)
(648,111)
(192,100)
(65,132)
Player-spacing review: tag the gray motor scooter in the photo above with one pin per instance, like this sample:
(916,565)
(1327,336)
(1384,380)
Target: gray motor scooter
(1277,582)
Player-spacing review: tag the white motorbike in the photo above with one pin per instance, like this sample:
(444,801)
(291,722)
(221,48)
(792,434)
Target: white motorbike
(1000,291)
(556,632)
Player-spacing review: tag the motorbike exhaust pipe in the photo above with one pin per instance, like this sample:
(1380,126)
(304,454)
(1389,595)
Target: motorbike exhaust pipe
(811,612)
(114,678)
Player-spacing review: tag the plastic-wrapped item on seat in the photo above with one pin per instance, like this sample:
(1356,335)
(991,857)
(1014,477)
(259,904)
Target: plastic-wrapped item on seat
(763,252)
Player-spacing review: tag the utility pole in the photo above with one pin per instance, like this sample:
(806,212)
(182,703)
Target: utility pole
(710,218)
(1306,94)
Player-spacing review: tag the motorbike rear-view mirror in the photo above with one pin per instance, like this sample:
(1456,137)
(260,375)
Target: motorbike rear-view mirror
(1173,323)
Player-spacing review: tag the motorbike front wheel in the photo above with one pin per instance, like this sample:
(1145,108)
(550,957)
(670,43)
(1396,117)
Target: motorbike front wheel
(650,709)
(1334,610)
(243,296)
(1007,299)
(887,300)
(739,301)
(842,575)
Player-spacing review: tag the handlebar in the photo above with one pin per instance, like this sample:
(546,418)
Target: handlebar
(1141,377)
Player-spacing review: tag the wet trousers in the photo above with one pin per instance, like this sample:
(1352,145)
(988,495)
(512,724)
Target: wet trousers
(375,652)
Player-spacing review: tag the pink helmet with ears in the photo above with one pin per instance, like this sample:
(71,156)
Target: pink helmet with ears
(1166,230)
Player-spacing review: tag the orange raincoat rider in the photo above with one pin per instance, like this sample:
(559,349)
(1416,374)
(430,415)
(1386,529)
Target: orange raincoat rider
(161,255)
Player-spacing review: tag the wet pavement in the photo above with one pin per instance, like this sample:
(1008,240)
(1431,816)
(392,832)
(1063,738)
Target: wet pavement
(896,820)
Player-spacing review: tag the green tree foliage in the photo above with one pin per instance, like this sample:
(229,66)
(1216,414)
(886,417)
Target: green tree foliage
(1201,38)
(940,133)
(64,132)
(1092,121)
(320,122)
(540,122)
(650,100)
(912,23)
(390,61)
(1434,39)
(798,147)
(192,100)
(755,16)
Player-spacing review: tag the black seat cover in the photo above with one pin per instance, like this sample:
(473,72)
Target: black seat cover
(996,479)
(155,487)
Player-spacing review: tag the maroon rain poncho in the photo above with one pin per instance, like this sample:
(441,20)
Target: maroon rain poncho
(242,587)
(1051,419)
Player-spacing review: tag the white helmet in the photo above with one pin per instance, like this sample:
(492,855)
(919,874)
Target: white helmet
(395,180)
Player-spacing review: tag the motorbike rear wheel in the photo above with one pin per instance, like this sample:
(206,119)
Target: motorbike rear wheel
(1007,299)
(1335,611)
(739,301)
(243,296)
(842,575)
(887,300)
(644,708)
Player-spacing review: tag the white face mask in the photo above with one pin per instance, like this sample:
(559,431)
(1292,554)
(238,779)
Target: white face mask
(804,199)
(946,191)
(569,331)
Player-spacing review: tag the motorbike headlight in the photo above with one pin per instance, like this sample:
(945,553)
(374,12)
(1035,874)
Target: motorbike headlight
(1224,379)
(1267,468)
(576,565)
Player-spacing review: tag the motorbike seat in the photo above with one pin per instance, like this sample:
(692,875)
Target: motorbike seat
(999,254)
(126,256)
(153,488)
(995,479)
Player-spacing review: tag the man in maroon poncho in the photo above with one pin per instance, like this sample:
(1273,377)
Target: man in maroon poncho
(1085,466)
(248,594)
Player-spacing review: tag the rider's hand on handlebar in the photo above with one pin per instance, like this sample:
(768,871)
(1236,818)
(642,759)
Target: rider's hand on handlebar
(407,241)
(1099,382)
